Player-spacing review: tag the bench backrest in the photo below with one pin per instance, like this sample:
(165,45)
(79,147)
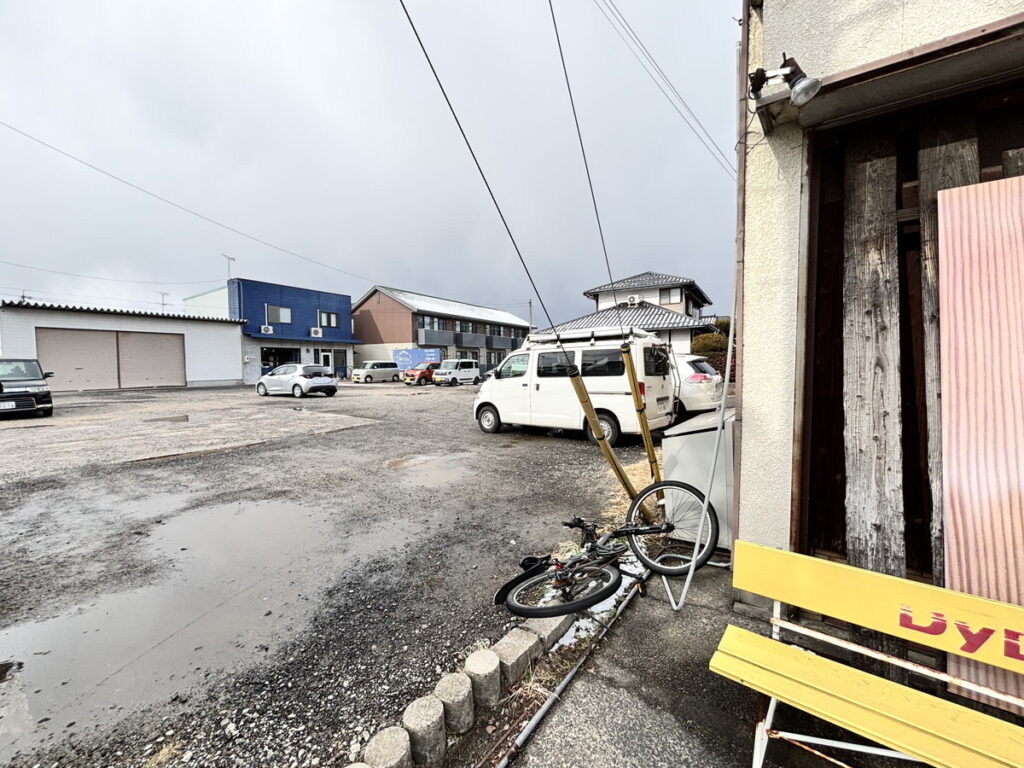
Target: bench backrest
(974,627)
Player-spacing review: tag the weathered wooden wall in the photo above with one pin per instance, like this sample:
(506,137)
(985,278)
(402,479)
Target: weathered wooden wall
(871,365)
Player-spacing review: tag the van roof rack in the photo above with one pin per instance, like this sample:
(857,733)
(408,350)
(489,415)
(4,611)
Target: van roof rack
(590,334)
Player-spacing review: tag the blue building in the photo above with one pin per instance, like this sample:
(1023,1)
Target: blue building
(283,324)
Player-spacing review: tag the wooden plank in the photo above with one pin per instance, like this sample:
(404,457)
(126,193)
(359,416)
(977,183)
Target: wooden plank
(1013,163)
(981,295)
(930,729)
(871,365)
(948,157)
(966,625)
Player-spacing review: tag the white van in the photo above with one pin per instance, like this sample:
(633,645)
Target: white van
(461,371)
(531,386)
(376,370)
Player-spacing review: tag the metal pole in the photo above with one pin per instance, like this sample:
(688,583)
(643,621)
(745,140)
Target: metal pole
(530,303)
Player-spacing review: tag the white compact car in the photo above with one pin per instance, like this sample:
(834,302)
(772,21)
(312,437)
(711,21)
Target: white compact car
(454,372)
(531,386)
(376,370)
(699,387)
(297,380)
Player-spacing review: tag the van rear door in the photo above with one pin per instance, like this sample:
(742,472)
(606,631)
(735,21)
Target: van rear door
(658,383)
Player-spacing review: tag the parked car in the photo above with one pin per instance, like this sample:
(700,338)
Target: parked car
(297,380)
(699,387)
(532,387)
(422,373)
(23,387)
(376,370)
(454,372)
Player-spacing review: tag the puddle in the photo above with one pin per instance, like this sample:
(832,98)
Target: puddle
(431,471)
(193,418)
(240,579)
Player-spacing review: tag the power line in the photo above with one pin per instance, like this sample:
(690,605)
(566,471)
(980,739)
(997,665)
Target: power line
(108,279)
(180,207)
(724,165)
(74,295)
(479,168)
(586,164)
(647,54)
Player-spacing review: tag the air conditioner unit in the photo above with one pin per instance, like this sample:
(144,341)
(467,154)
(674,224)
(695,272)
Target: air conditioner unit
(633,299)
(266,329)
(316,333)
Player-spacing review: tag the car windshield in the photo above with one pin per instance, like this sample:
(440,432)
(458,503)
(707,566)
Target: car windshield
(449,365)
(422,367)
(20,370)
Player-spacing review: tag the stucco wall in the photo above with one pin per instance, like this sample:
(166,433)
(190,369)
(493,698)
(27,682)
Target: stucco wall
(825,38)
(381,319)
(828,37)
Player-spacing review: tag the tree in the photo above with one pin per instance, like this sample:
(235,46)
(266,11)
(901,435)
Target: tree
(709,344)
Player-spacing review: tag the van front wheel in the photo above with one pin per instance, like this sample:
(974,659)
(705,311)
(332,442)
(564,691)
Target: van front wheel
(609,426)
(488,419)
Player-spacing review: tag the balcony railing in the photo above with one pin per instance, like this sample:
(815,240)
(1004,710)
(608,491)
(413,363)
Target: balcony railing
(431,338)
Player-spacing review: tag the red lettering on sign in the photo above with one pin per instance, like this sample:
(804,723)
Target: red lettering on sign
(936,627)
(1011,644)
(973,640)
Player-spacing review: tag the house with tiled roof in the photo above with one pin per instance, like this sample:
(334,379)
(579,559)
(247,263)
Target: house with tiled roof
(668,306)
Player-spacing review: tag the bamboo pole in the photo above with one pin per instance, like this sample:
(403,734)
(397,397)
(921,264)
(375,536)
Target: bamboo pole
(641,411)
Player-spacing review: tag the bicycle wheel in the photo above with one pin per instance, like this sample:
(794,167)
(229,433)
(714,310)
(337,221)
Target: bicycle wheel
(680,504)
(556,593)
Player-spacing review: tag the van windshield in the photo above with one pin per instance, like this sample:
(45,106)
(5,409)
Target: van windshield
(20,370)
(449,365)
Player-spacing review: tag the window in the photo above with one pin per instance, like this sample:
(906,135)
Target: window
(670,296)
(514,366)
(426,321)
(467,365)
(518,333)
(702,366)
(468,354)
(328,319)
(495,330)
(464,326)
(494,357)
(602,362)
(278,314)
(655,361)
(552,364)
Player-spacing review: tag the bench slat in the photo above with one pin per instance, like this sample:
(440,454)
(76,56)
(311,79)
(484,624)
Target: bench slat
(941,733)
(877,601)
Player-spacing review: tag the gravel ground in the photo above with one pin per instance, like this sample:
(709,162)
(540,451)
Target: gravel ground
(395,533)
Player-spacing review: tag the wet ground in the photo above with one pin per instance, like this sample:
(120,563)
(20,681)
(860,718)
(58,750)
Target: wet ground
(254,584)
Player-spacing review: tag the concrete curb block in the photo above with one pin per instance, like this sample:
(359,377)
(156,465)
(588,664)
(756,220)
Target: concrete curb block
(550,630)
(516,650)
(389,748)
(424,720)
(456,694)
(484,670)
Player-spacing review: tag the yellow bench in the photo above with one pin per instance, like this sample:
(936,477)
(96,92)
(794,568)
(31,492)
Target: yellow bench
(908,723)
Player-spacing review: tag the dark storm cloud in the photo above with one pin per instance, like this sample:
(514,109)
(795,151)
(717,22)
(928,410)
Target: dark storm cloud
(317,126)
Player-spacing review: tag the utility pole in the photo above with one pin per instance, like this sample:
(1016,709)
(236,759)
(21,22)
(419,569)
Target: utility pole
(530,303)
(229,259)
(163,299)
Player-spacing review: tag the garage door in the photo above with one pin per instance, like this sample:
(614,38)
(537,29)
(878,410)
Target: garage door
(78,359)
(151,359)
(110,359)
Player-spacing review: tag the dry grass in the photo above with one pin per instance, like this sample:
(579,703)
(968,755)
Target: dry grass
(167,752)
(639,473)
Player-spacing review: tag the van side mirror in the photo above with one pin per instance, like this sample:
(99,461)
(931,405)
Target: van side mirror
(496,373)
(48,375)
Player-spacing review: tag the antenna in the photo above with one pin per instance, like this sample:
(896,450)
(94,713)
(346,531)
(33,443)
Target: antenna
(230,259)
(25,296)
(163,299)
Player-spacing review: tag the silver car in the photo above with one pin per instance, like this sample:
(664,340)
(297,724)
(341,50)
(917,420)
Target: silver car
(297,380)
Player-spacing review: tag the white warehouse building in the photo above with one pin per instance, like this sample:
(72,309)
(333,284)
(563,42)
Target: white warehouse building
(94,348)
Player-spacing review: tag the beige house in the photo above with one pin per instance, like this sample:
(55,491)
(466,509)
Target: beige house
(838,414)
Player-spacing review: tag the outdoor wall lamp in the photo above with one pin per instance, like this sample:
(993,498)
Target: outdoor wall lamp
(801,87)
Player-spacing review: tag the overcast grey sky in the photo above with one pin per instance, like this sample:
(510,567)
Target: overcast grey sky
(317,126)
